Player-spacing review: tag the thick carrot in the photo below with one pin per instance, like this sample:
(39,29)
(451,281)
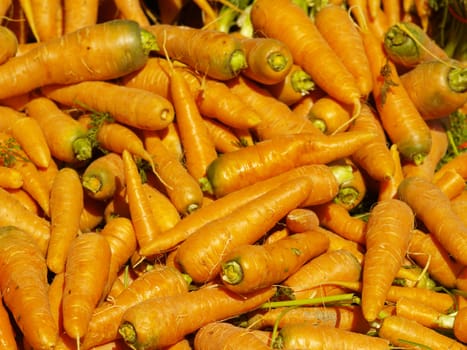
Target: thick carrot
(86,273)
(79,14)
(66,206)
(437,88)
(407,44)
(307,49)
(103,176)
(222,335)
(351,192)
(66,137)
(132,10)
(329,115)
(9,45)
(250,267)
(307,335)
(301,220)
(460,325)
(339,30)
(165,213)
(400,331)
(143,330)
(213,53)
(146,111)
(26,297)
(451,183)
(224,137)
(433,208)
(7,333)
(324,189)
(237,169)
(104,60)
(245,225)
(10,178)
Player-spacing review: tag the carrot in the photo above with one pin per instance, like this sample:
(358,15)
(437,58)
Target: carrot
(245,225)
(237,169)
(301,220)
(334,78)
(198,146)
(310,280)
(306,335)
(141,329)
(66,192)
(437,88)
(92,215)
(441,301)
(329,115)
(303,106)
(388,187)
(378,23)
(10,178)
(87,264)
(5,6)
(25,199)
(352,192)
(459,204)
(213,53)
(296,84)
(171,139)
(79,14)
(433,208)
(460,325)
(9,45)
(387,241)
(268,60)
(7,333)
(26,297)
(221,335)
(66,137)
(451,183)
(224,137)
(393,10)
(170,10)
(427,252)
(406,44)
(43,19)
(400,331)
(42,66)
(457,163)
(250,267)
(320,175)
(339,30)
(103,176)
(132,10)
(148,110)
(338,219)
(165,213)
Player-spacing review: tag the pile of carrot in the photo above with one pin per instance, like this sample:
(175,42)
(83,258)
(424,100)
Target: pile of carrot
(230,174)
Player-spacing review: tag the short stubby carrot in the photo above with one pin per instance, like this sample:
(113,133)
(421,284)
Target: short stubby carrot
(103,44)
(329,115)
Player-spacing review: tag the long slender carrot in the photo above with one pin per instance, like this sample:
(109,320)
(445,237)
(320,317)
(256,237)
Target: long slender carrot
(43,19)
(307,49)
(142,329)
(165,213)
(42,65)
(451,183)
(132,10)
(26,297)
(79,14)
(250,267)
(325,188)
(86,273)
(66,206)
(234,170)
(224,137)
(245,225)
(392,9)
(388,188)
(433,208)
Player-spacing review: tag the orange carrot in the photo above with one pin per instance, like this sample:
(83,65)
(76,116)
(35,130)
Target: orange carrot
(459,204)
(451,183)
(165,213)
(324,190)
(245,225)
(43,19)
(26,297)
(92,215)
(213,53)
(441,301)
(329,115)
(79,14)
(388,187)
(86,273)
(142,329)
(170,10)
(303,106)
(132,10)
(10,178)
(250,267)
(301,220)
(7,334)
(351,192)
(66,206)
(393,10)
(42,65)
(433,208)
(237,169)
(9,45)
(171,139)
(223,137)
(334,78)
(457,163)
(460,324)
(377,23)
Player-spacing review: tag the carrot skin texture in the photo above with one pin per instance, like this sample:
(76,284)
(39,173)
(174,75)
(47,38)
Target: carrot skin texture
(26,76)
(154,330)
(9,44)
(7,334)
(460,325)
(251,267)
(26,297)
(434,209)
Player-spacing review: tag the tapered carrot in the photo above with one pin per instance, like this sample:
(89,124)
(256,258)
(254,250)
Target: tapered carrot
(171,140)
(92,215)
(19,75)
(451,183)
(10,178)
(329,115)
(250,267)
(7,333)
(234,170)
(320,175)
(245,225)
(223,136)
(9,45)
(146,111)
(378,23)
(301,220)
(165,213)
(210,52)
(79,14)
(86,273)
(401,331)
(303,106)
(158,282)
(460,323)
(132,10)
(66,192)
(66,137)
(26,297)
(433,208)
(141,329)
(306,335)
(217,335)
(388,187)
(44,19)
(307,49)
